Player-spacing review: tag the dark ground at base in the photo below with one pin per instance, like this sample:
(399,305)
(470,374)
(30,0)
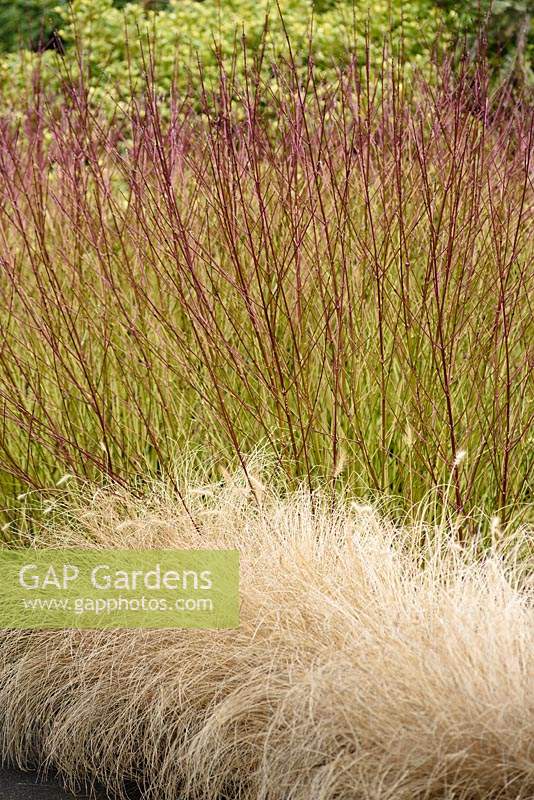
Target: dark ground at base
(15,785)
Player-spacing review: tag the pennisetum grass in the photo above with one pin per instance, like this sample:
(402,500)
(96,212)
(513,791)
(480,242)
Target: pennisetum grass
(372,660)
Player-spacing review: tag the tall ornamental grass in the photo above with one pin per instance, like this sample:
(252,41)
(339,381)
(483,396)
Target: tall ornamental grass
(340,275)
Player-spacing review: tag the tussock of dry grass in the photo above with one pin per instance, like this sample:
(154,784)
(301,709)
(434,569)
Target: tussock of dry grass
(371,662)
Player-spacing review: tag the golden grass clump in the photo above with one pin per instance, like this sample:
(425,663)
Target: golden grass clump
(371,662)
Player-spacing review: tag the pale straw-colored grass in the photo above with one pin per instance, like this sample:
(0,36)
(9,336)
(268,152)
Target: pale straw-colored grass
(372,661)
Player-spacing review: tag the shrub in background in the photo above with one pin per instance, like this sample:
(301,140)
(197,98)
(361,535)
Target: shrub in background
(28,23)
(506,28)
(186,32)
(190,29)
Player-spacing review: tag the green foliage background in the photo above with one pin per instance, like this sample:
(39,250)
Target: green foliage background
(185,32)
(24,22)
(508,29)
(188,31)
